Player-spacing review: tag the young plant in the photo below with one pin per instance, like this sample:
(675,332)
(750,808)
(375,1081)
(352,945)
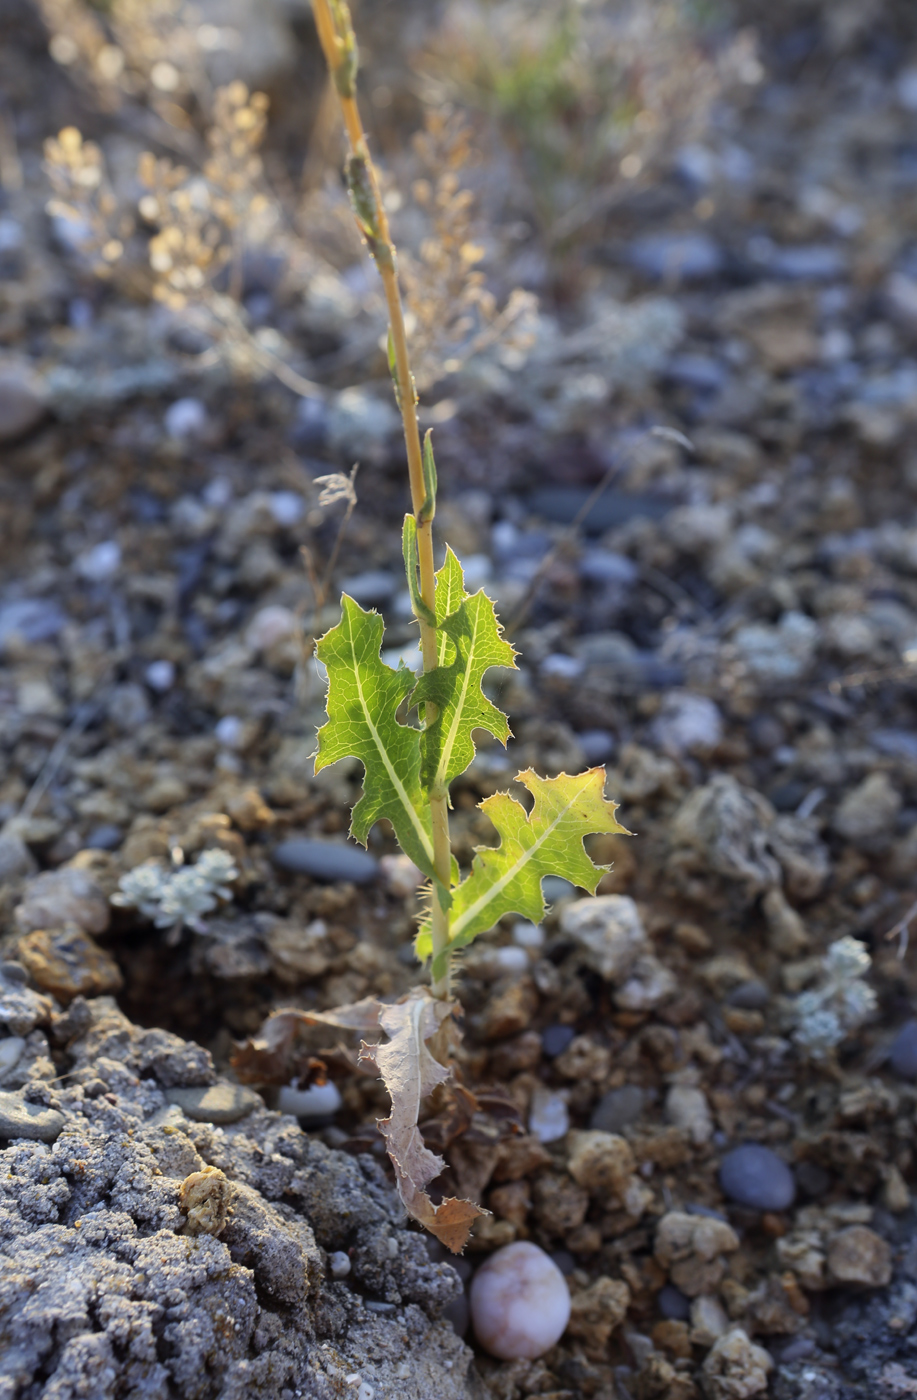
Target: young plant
(409,767)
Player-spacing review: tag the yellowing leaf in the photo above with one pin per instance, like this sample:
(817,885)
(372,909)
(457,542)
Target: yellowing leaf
(363,696)
(410,1073)
(506,879)
(470,624)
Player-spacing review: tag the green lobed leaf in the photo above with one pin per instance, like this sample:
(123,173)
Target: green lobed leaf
(363,696)
(506,879)
(471,625)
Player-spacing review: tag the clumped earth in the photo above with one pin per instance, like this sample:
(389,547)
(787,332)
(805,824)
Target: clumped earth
(723,1175)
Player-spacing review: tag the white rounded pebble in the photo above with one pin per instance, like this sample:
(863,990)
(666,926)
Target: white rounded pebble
(286,507)
(549,1117)
(520,1303)
(528,935)
(339,1264)
(185,418)
(160,675)
(269,626)
(101,562)
(229,731)
(318,1101)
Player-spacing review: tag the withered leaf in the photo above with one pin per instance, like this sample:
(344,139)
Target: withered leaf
(410,1073)
(276,1055)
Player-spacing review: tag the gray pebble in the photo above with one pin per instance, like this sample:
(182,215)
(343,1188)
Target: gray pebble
(903,1053)
(11,1048)
(19,1119)
(374,587)
(555,1039)
(215,1103)
(104,838)
(755,1176)
(616,1109)
(325,860)
(21,401)
(749,996)
(676,257)
(673,1304)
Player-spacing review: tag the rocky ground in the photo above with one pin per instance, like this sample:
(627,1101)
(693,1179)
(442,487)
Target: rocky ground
(731,629)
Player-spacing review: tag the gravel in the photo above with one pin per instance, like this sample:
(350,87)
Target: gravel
(755,1176)
(902,1055)
(325,860)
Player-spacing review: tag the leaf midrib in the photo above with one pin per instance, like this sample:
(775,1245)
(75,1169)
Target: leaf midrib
(500,885)
(397,784)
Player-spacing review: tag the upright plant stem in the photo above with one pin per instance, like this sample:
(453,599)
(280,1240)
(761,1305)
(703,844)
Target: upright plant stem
(332,21)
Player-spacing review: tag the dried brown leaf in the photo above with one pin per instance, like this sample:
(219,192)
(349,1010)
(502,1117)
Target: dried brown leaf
(411,1073)
(274,1056)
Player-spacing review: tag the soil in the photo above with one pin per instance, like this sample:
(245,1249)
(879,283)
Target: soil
(731,629)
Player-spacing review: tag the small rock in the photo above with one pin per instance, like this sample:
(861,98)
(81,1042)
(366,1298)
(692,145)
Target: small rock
(325,860)
(99,563)
(596,1312)
(735,1368)
(755,1176)
(401,875)
(601,1162)
(673,1304)
(649,984)
(868,814)
(520,1303)
(676,257)
(160,676)
(555,1039)
(11,1048)
(269,626)
(215,1103)
(20,1119)
(609,932)
(298,953)
(205,1199)
(687,723)
(185,419)
(372,588)
(105,837)
(22,403)
(617,1109)
(859,1255)
(750,996)
(549,1117)
(781,653)
(691,1249)
(787,932)
(16,860)
(686,1108)
(309,1105)
(67,963)
(510,1011)
(708,1320)
(723,827)
(902,1055)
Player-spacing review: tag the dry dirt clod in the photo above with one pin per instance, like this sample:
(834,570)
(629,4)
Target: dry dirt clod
(67,963)
(735,1368)
(859,1255)
(692,1248)
(61,897)
(596,1312)
(205,1198)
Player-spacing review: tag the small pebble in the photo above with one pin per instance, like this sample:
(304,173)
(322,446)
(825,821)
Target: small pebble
(549,1117)
(270,626)
(309,1105)
(16,860)
(597,745)
(528,935)
(19,1119)
(371,588)
(230,731)
(11,1048)
(339,1264)
(554,889)
(325,860)
(104,838)
(555,1039)
(215,1103)
(286,507)
(903,1053)
(750,996)
(755,1176)
(673,1304)
(617,1109)
(99,563)
(68,962)
(520,1303)
(21,400)
(160,676)
(185,418)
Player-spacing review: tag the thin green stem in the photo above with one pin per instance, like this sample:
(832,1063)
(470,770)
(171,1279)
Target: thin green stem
(332,20)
